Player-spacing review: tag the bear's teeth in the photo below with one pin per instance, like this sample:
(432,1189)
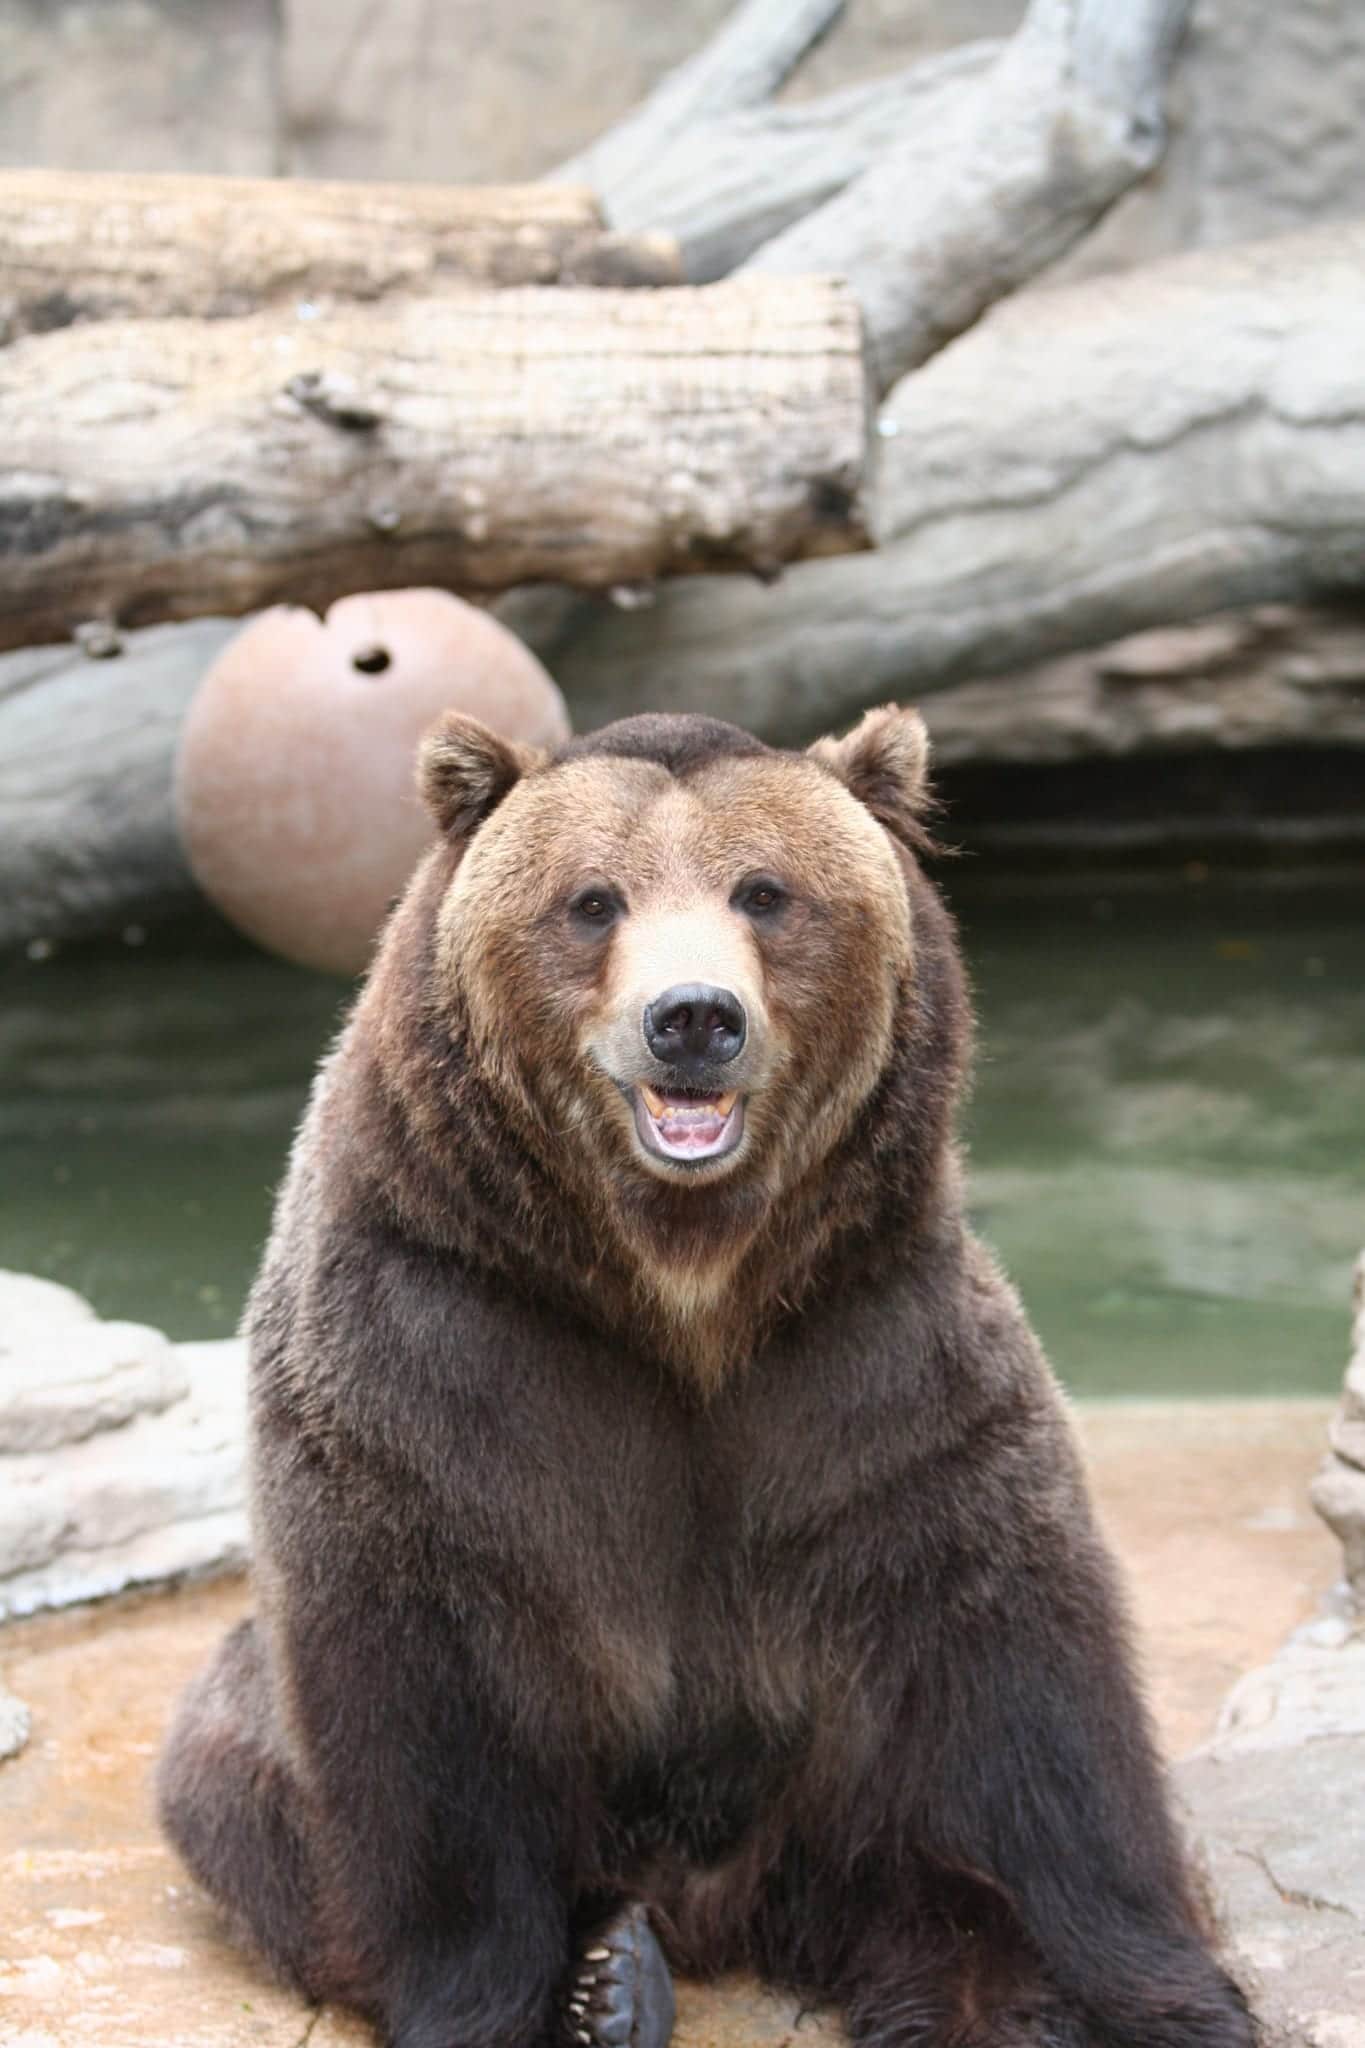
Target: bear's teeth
(603,1955)
(693,1108)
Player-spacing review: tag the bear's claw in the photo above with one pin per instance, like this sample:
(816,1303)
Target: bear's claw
(622,1994)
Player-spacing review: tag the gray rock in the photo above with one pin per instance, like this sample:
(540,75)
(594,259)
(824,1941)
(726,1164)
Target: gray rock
(121,1456)
(1276,1804)
(1338,1491)
(64,1375)
(15,1725)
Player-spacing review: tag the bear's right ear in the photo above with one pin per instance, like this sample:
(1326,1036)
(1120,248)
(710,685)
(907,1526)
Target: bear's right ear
(884,763)
(464,771)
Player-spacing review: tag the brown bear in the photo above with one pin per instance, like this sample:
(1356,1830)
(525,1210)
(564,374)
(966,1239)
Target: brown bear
(667,1529)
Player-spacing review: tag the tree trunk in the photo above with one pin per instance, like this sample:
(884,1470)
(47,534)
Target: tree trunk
(167,469)
(742,65)
(1086,463)
(934,193)
(93,247)
(1011,169)
(733,182)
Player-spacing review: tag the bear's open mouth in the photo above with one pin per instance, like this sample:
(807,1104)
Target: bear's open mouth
(676,1124)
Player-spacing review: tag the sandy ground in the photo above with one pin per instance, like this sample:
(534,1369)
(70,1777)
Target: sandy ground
(105,1944)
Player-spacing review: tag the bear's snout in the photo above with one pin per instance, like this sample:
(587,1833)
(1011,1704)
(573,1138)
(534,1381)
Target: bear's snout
(695,1026)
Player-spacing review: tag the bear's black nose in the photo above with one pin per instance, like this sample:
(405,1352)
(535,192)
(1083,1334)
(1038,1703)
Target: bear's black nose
(695,1026)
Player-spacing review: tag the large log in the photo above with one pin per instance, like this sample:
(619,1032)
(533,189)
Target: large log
(477,440)
(742,65)
(75,246)
(1087,462)
(934,193)
(998,180)
(734,181)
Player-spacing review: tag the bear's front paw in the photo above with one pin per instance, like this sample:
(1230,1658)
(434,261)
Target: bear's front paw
(622,1993)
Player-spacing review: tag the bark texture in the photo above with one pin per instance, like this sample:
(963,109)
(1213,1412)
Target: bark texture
(934,193)
(167,469)
(1000,177)
(1087,463)
(743,65)
(730,184)
(79,247)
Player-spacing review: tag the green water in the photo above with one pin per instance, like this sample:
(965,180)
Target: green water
(1168,1127)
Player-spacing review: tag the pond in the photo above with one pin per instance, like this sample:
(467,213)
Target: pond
(1167,1128)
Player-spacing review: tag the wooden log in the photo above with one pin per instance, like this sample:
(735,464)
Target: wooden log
(934,193)
(732,182)
(477,440)
(742,65)
(76,246)
(999,181)
(1088,462)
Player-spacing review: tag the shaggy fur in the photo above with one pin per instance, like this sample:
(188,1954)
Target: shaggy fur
(711,1539)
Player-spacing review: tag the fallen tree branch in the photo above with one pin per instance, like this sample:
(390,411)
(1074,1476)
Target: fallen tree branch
(727,185)
(934,193)
(1084,464)
(75,246)
(166,469)
(742,65)
(998,179)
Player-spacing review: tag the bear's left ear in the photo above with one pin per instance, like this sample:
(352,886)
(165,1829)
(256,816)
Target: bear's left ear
(464,771)
(884,762)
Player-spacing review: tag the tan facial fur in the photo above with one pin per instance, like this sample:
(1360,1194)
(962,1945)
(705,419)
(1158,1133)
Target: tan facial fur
(555,1007)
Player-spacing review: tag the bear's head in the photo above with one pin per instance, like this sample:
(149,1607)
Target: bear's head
(682,965)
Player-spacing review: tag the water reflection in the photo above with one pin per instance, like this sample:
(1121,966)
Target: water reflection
(1166,1130)
(1168,1123)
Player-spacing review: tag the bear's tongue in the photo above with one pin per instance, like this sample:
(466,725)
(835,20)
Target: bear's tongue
(691,1122)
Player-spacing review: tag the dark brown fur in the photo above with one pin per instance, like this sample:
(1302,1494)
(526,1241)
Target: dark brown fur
(798,1628)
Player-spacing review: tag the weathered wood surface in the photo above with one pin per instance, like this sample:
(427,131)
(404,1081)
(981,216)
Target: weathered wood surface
(476,440)
(998,179)
(1086,463)
(746,60)
(75,246)
(734,181)
(934,193)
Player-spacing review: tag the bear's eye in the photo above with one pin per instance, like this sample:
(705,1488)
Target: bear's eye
(595,905)
(760,896)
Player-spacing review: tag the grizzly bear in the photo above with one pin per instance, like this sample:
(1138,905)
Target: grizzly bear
(669,1539)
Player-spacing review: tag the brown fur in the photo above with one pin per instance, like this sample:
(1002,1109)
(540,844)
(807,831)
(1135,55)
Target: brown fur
(709,1536)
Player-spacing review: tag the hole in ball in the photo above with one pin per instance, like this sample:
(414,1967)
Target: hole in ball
(371,661)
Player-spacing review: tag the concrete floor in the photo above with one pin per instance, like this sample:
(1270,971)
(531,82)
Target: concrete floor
(104,1943)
